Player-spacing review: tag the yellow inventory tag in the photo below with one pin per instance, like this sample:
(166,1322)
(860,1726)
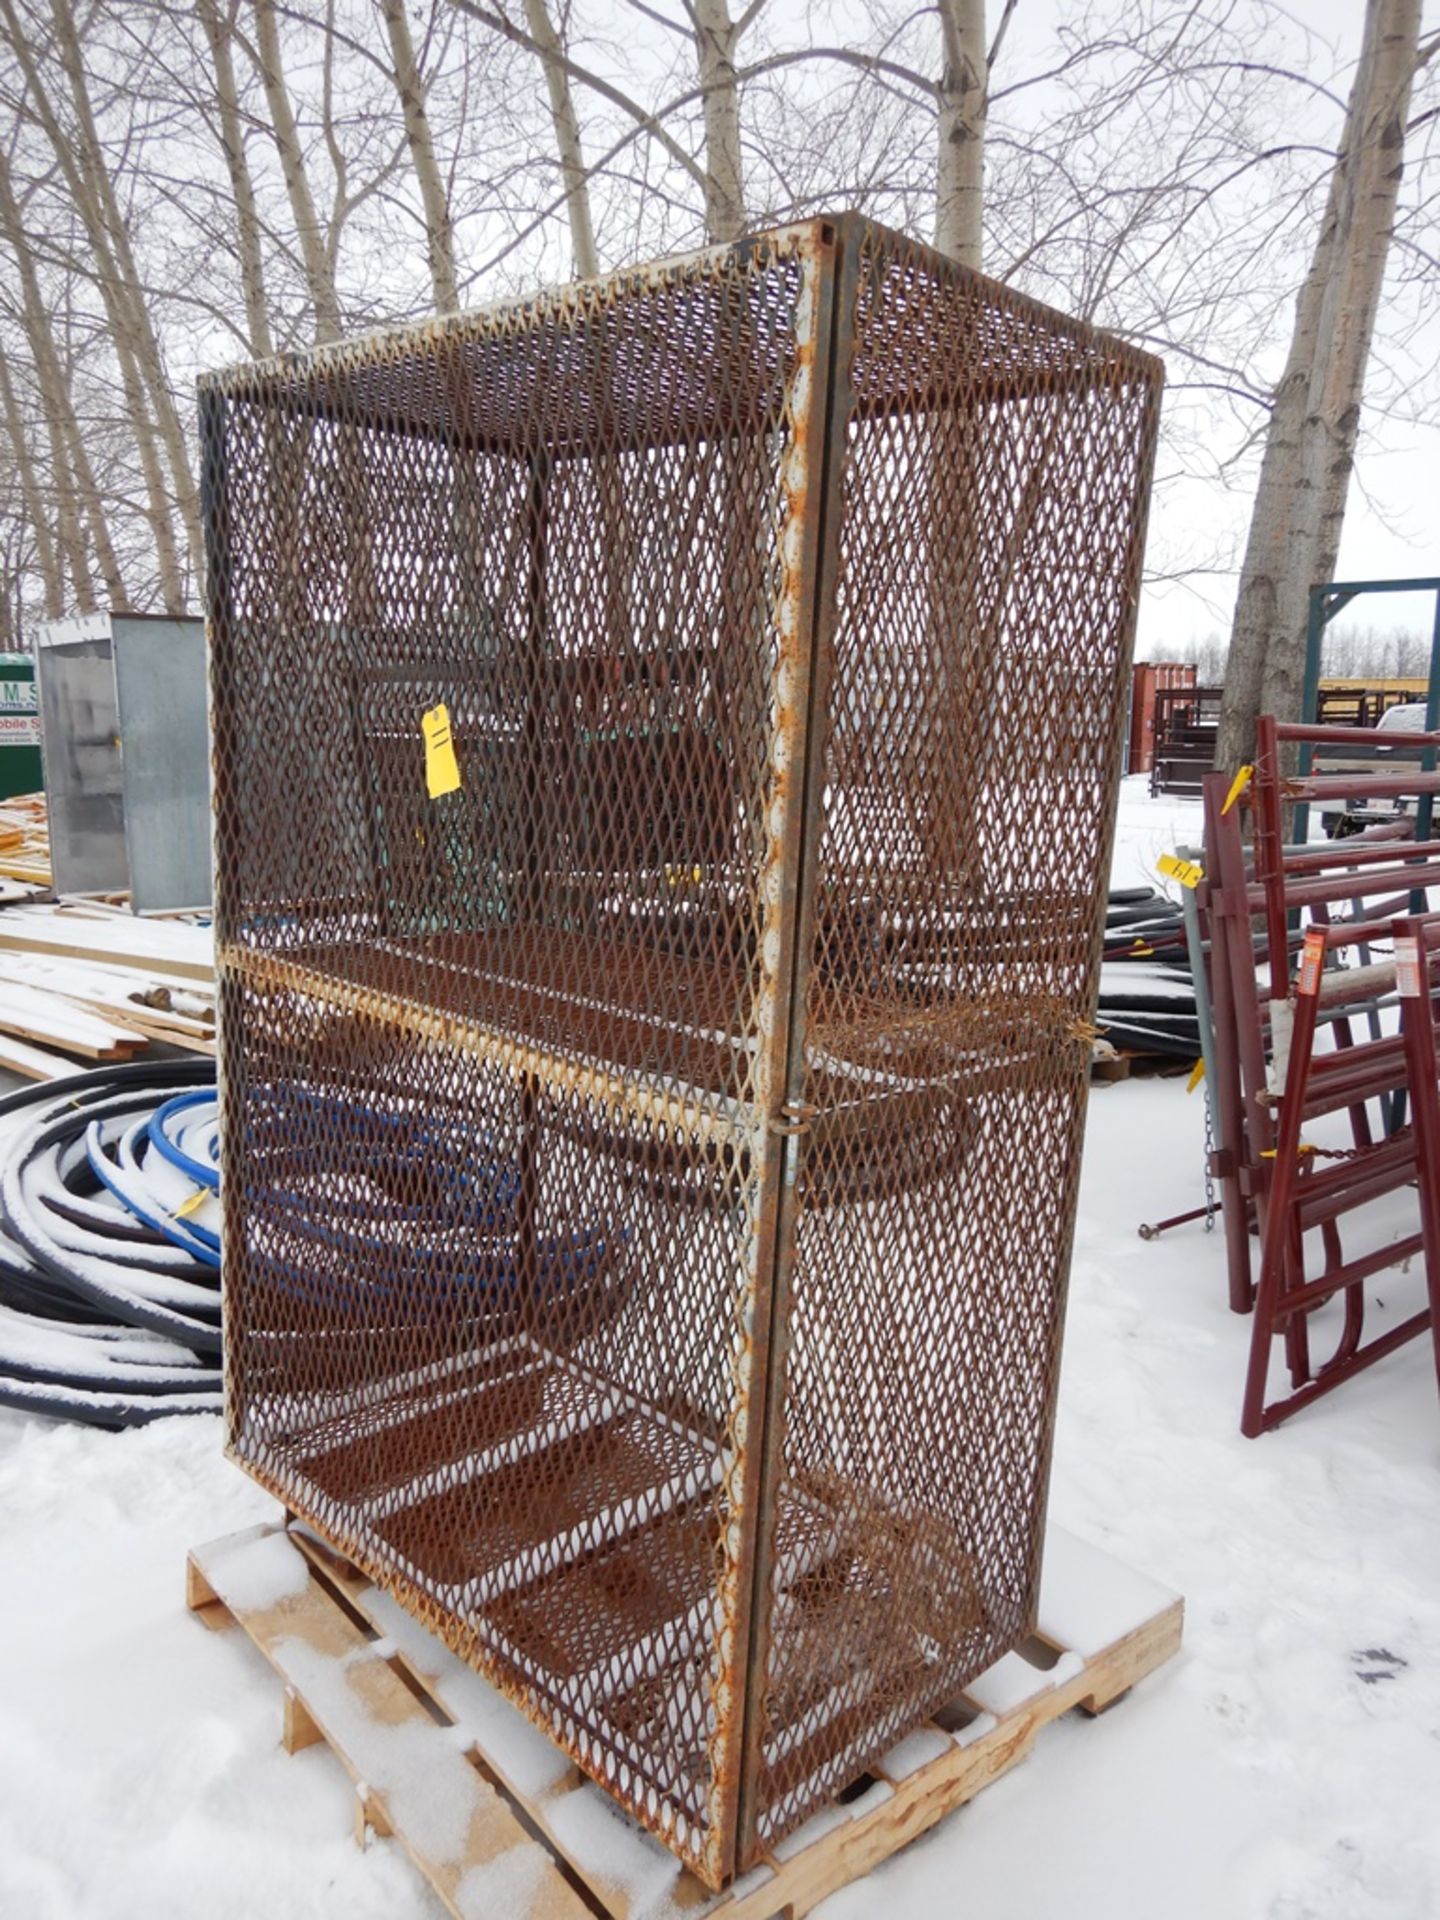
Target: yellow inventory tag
(442,770)
(192,1205)
(1197,1074)
(1237,787)
(1188,872)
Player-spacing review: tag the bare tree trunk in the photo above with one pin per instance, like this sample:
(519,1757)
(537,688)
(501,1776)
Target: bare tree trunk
(32,498)
(76,492)
(87,491)
(118,296)
(247,219)
(133,296)
(960,170)
(67,517)
(12,572)
(715,37)
(1310,445)
(90,500)
(72,561)
(319,269)
(439,233)
(147,446)
(566,124)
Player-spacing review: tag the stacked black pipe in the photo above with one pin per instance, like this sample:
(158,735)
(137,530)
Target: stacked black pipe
(1147,990)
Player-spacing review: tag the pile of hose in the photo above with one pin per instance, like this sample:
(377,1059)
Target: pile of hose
(109,1245)
(1147,990)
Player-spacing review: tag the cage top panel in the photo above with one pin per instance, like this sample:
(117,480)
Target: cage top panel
(685,347)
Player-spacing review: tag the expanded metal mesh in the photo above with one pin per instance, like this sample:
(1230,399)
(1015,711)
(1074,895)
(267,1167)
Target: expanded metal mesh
(650,1163)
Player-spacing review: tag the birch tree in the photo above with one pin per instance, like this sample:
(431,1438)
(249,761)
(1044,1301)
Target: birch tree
(91,194)
(79,518)
(960,131)
(220,34)
(716,39)
(70,575)
(132,309)
(565,122)
(32,515)
(439,234)
(1315,417)
(315,253)
(204,177)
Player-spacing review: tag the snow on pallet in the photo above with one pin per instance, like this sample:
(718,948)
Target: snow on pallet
(441,1761)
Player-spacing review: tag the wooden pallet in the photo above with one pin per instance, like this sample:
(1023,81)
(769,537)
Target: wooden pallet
(500,1822)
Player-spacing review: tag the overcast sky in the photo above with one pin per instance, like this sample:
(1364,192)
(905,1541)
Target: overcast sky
(1392,521)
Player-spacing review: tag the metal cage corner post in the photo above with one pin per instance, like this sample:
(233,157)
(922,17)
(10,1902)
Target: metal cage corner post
(651,1145)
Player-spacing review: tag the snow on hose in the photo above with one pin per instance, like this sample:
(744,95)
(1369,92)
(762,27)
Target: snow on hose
(109,1245)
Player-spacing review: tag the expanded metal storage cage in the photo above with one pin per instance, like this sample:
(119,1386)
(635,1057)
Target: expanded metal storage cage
(650,1163)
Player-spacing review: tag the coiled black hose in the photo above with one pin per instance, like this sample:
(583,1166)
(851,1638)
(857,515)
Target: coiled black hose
(102,1319)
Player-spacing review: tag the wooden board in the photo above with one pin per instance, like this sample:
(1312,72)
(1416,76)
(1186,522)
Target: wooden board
(1101,1629)
(33,1063)
(86,1001)
(50,1021)
(170,951)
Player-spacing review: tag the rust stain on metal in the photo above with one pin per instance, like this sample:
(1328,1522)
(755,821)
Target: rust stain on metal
(650,1166)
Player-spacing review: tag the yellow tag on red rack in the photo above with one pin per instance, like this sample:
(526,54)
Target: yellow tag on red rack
(1188,872)
(1197,1074)
(442,769)
(1237,787)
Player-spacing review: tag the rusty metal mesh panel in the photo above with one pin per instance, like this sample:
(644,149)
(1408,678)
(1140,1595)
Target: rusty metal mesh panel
(497,1063)
(986,537)
(716,986)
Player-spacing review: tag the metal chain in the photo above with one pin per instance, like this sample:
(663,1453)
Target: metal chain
(1308,1147)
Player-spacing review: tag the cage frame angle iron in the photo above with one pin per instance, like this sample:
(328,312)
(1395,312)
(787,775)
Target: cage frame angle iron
(651,1133)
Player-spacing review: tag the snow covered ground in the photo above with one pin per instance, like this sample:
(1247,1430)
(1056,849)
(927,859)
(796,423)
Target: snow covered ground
(1286,1766)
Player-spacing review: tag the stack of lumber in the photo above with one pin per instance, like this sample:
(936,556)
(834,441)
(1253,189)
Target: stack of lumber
(24,848)
(80,982)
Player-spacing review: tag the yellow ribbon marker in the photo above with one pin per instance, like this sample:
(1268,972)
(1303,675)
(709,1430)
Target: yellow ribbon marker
(442,769)
(192,1205)
(1188,872)
(1197,1074)
(1237,787)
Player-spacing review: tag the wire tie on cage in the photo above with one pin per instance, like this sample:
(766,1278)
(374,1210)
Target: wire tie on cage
(794,1117)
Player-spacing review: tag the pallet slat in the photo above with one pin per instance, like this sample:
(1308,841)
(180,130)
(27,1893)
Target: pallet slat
(320,1623)
(410,1778)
